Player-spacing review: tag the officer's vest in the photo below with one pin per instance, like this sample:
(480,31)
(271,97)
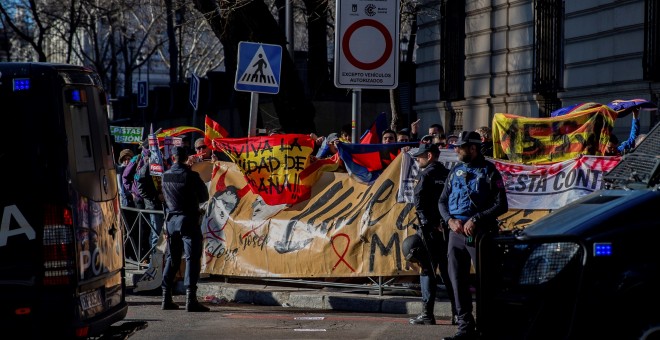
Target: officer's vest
(470,190)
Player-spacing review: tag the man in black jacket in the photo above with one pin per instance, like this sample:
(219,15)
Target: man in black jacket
(430,182)
(184,190)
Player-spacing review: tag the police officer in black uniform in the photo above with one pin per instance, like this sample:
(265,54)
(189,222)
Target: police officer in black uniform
(184,190)
(430,182)
(472,199)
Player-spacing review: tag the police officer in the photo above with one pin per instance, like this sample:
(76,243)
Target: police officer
(430,182)
(184,190)
(471,201)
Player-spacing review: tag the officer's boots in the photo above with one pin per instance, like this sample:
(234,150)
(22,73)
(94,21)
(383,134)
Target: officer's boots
(192,305)
(426,318)
(168,304)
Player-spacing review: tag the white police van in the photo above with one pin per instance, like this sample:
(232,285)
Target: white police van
(61,235)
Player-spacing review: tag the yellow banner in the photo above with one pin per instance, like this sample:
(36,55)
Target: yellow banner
(548,140)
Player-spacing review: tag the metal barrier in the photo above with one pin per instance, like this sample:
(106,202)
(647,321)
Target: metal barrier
(141,261)
(141,221)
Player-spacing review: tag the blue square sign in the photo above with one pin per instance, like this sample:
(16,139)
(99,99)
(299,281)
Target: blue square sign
(143,94)
(258,67)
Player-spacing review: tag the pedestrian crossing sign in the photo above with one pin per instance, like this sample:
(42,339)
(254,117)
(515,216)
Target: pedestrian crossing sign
(258,67)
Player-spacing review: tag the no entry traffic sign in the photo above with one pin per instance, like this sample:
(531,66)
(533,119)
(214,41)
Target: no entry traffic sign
(366,47)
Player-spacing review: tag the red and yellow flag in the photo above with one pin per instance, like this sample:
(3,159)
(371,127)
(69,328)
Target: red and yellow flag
(213,130)
(179,130)
(274,166)
(547,140)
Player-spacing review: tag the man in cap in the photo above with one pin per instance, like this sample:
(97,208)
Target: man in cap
(184,190)
(429,184)
(470,203)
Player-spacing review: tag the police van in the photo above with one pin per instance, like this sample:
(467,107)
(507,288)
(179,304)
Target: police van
(61,235)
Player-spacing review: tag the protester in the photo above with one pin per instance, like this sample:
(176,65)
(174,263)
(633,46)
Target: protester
(430,182)
(613,146)
(436,130)
(185,141)
(184,190)
(486,141)
(451,141)
(403,135)
(414,130)
(471,201)
(123,160)
(203,152)
(130,183)
(148,187)
(345,134)
(388,136)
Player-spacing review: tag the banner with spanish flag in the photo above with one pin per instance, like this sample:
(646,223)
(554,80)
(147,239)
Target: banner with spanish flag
(213,130)
(548,140)
(273,165)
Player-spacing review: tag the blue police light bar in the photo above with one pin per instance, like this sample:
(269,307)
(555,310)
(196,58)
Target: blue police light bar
(602,249)
(21,84)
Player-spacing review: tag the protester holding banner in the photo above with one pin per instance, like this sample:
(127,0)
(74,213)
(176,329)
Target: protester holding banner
(184,190)
(613,146)
(430,182)
(472,200)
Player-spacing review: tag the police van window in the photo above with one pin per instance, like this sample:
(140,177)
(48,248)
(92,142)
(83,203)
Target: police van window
(101,108)
(76,108)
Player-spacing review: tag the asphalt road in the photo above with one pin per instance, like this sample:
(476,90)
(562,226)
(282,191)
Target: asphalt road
(145,320)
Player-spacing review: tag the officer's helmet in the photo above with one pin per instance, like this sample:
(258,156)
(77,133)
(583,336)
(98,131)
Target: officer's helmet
(413,249)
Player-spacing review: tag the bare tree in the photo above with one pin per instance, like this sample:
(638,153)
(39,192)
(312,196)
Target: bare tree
(244,20)
(28,21)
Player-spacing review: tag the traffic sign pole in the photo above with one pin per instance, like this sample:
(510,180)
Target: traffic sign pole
(194,97)
(254,106)
(258,71)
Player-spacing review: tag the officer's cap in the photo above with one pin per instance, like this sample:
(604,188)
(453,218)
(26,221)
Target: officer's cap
(424,148)
(468,137)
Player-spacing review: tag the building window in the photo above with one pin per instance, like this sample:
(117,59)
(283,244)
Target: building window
(652,41)
(548,52)
(452,49)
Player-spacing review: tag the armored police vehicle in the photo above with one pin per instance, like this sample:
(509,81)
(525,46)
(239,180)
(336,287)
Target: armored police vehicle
(61,236)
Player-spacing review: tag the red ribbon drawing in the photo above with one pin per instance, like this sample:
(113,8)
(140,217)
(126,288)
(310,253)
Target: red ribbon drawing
(341,257)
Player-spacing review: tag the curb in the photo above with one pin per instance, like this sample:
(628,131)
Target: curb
(219,292)
(319,299)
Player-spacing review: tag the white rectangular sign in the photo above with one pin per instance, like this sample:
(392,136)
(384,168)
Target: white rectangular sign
(367,44)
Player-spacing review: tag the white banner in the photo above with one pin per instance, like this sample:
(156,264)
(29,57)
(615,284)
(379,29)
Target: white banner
(549,186)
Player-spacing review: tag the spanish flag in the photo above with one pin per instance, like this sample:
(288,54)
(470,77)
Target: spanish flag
(213,130)
(179,130)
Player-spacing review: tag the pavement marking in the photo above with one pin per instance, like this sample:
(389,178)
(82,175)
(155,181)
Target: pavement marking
(326,318)
(309,318)
(309,330)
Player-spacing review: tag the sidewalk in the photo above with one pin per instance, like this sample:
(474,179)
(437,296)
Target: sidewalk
(363,300)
